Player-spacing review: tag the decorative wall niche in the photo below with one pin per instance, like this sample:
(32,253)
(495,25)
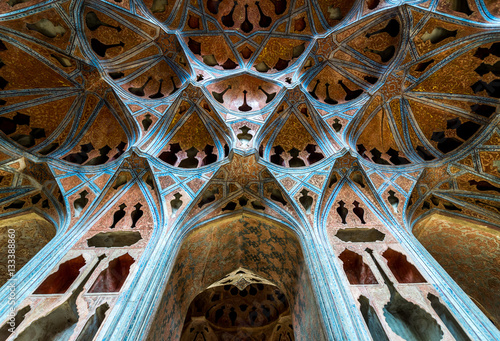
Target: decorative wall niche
(271,257)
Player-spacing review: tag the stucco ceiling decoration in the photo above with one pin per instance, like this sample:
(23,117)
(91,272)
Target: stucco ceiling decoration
(130,122)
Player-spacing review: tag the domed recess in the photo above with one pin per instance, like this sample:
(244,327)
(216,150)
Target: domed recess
(242,303)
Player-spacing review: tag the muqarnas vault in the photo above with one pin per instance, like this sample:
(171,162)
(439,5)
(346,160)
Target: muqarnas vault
(273,170)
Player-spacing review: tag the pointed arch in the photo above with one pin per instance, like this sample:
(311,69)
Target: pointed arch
(265,247)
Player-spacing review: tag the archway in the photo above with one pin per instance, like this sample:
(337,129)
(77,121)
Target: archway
(468,251)
(32,233)
(265,251)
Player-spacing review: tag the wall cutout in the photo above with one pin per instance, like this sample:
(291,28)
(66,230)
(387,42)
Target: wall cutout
(356,270)
(404,271)
(114,239)
(360,235)
(405,318)
(93,323)
(371,320)
(18,319)
(60,322)
(112,278)
(448,319)
(61,280)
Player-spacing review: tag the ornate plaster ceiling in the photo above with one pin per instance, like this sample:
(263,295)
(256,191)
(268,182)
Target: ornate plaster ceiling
(187,81)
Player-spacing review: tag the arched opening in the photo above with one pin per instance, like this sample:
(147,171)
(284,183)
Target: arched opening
(241,305)
(468,251)
(260,263)
(32,233)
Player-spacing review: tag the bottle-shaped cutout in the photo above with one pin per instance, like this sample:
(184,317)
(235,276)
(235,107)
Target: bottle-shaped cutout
(176,203)
(313,91)
(81,156)
(405,318)
(158,94)
(328,99)
(93,22)
(265,20)
(244,106)
(336,125)
(246,26)
(350,94)
(314,156)
(140,90)
(386,54)
(213,6)
(392,28)
(102,158)
(269,97)
(244,136)
(219,96)
(146,122)
(342,211)
(306,200)
(80,203)
(210,157)
(227,19)
(295,161)
(359,212)
(51,326)
(136,214)
(175,88)
(118,215)
(371,319)
(438,34)
(279,6)
(276,157)
(100,48)
(191,161)
(393,200)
